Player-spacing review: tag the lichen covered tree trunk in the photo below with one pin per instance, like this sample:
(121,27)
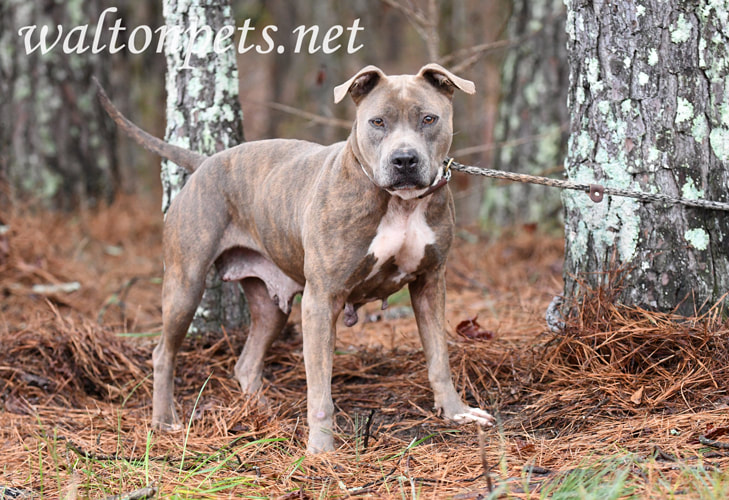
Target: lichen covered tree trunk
(532,114)
(204,115)
(649,102)
(56,145)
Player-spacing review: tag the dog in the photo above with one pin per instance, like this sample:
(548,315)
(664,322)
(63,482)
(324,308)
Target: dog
(344,225)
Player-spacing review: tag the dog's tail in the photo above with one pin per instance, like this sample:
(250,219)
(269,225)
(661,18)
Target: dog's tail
(181,156)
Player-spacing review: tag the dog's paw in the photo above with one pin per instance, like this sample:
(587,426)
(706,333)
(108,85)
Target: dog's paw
(477,415)
(320,441)
(166,427)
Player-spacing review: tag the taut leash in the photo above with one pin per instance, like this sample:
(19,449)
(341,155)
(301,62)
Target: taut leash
(595,191)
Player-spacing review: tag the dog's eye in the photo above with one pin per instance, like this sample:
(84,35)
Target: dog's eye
(429,119)
(377,122)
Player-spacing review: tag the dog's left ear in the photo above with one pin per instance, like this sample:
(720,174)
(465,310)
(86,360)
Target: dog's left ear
(360,84)
(444,80)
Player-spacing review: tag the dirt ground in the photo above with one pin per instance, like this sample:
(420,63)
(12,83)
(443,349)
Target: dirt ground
(80,308)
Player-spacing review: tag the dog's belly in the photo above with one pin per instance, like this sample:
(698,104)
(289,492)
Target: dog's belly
(402,247)
(239,263)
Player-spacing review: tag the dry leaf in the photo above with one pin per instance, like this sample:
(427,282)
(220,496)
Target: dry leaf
(637,397)
(716,432)
(471,330)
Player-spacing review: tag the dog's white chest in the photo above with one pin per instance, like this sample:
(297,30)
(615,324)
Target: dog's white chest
(403,233)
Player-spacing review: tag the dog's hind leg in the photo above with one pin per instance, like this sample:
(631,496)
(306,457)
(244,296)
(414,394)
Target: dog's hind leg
(267,321)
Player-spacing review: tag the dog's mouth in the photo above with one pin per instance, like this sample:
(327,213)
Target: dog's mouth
(409,183)
(405,186)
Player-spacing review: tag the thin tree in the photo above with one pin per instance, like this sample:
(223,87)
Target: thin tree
(649,102)
(532,114)
(204,115)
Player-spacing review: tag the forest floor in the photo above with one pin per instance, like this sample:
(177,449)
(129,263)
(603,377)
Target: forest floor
(624,403)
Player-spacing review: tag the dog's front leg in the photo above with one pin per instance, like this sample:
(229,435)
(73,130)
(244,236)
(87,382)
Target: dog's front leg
(319,313)
(427,293)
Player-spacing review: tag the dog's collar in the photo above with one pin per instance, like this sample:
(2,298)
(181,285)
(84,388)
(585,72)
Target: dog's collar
(440,180)
(439,183)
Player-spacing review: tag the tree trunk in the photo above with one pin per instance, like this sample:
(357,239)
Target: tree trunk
(649,101)
(204,115)
(532,114)
(56,145)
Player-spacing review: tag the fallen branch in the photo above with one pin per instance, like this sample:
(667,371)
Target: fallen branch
(722,445)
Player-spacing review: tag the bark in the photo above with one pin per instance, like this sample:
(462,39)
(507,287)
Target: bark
(533,105)
(56,146)
(649,101)
(203,114)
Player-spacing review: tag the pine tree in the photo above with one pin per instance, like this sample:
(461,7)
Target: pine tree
(649,103)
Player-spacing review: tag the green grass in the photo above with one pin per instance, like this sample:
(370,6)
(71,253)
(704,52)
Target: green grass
(608,479)
(220,473)
(626,476)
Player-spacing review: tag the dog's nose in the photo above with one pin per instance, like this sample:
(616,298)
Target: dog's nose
(404,159)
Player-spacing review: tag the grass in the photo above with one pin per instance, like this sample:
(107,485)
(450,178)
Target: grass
(221,474)
(606,479)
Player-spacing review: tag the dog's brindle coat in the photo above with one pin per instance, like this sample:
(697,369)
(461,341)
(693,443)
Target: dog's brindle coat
(345,224)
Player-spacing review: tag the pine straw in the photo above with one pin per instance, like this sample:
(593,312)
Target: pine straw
(75,396)
(624,361)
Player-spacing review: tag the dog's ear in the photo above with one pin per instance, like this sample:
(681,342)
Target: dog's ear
(444,80)
(360,84)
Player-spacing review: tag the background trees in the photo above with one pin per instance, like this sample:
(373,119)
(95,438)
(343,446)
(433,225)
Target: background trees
(47,148)
(532,121)
(647,95)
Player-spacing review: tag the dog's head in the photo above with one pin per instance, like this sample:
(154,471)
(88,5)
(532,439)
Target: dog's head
(404,125)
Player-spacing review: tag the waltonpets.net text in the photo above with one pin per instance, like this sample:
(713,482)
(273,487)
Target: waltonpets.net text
(198,40)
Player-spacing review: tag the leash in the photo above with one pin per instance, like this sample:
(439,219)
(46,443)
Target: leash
(595,191)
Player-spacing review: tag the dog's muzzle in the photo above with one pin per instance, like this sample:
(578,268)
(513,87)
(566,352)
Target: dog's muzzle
(405,170)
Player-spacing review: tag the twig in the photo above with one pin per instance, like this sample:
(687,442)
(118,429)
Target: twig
(313,117)
(484,461)
(474,283)
(426,26)
(469,56)
(535,469)
(509,144)
(368,425)
(169,460)
(141,494)
(659,454)
(119,298)
(722,445)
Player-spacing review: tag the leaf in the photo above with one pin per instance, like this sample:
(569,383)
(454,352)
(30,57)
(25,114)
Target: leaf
(637,397)
(471,330)
(716,432)
(523,447)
